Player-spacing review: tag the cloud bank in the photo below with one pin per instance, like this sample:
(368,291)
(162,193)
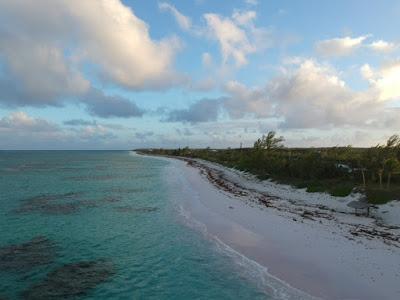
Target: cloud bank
(307,95)
(47,59)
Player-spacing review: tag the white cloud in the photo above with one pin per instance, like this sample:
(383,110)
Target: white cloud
(339,46)
(244,18)
(252,2)
(118,41)
(238,36)
(207,59)
(347,45)
(95,132)
(382,46)
(20,121)
(233,40)
(312,95)
(42,71)
(45,43)
(183,21)
(205,85)
(18,130)
(243,101)
(307,95)
(385,81)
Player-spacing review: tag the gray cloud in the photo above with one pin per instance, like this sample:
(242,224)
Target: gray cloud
(204,110)
(79,122)
(184,131)
(104,106)
(243,101)
(144,135)
(83,123)
(18,130)
(36,73)
(239,102)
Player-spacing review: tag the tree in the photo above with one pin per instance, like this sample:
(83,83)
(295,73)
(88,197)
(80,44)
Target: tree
(393,142)
(361,161)
(392,165)
(375,162)
(384,158)
(269,141)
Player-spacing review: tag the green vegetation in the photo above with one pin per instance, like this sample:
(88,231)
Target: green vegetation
(336,170)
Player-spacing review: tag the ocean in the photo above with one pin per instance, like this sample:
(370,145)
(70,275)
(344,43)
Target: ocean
(104,225)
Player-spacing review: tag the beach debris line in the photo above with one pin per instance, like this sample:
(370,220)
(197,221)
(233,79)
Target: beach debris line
(298,210)
(362,230)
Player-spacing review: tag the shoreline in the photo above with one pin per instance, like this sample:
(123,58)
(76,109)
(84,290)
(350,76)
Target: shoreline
(319,248)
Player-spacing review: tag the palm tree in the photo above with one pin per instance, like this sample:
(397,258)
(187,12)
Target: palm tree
(393,141)
(269,142)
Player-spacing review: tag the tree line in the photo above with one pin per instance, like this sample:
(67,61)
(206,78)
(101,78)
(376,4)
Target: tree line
(335,169)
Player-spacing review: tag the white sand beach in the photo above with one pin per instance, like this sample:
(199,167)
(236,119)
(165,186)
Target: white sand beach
(311,244)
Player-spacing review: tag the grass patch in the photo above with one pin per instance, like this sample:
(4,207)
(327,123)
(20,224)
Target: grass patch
(382,196)
(333,187)
(316,188)
(341,190)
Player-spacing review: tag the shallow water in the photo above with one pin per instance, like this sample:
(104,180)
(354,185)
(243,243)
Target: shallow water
(103,225)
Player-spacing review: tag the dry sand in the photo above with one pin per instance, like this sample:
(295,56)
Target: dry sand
(311,244)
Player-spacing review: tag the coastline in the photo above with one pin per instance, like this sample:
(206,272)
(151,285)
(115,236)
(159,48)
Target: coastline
(311,242)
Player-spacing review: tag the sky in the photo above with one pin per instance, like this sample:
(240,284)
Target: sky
(124,74)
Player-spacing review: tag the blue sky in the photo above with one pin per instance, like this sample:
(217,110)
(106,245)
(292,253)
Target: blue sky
(111,74)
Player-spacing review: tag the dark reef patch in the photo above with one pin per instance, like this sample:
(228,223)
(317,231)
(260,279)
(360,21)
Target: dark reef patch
(101,167)
(109,199)
(60,209)
(32,167)
(132,209)
(121,190)
(60,204)
(71,280)
(93,177)
(23,257)
(48,204)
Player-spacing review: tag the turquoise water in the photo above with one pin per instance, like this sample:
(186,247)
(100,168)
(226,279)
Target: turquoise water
(102,225)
